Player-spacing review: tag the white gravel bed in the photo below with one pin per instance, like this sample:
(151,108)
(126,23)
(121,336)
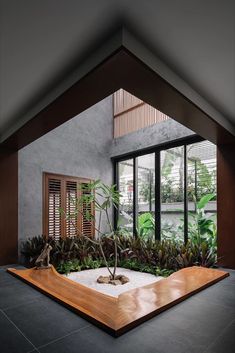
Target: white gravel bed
(89,279)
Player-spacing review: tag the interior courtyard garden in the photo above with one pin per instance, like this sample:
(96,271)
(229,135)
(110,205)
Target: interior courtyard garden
(117,168)
(160,199)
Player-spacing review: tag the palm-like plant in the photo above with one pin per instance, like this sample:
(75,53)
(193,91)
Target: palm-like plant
(103,198)
(202,227)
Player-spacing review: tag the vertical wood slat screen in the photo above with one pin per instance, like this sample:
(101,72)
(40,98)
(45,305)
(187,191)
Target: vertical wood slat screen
(61,191)
(132,114)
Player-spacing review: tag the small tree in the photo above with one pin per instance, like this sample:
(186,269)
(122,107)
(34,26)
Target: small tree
(103,198)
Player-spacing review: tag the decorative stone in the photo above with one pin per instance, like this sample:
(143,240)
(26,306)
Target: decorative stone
(115,282)
(123,279)
(103,279)
(119,279)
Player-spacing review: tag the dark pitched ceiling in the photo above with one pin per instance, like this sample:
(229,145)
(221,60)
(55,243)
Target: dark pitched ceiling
(43,41)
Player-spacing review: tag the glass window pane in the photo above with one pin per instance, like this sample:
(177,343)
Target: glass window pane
(146,196)
(172,193)
(202,186)
(201,169)
(125,217)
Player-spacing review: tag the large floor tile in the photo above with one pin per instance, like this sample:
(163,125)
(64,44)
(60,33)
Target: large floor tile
(199,324)
(199,320)
(228,281)
(44,320)
(142,339)
(11,340)
(7,277)
(220,293)
(14,292)
(225,343)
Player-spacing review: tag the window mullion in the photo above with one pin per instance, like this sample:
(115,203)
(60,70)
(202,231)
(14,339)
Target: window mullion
(185,194)
(135,196)
(157,195)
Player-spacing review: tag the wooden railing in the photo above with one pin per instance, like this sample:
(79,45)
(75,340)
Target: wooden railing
(132,114)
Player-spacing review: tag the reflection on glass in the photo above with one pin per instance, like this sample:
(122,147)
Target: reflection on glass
(146,196)
(172,193)
(125,217)
(202,192)
(201,169)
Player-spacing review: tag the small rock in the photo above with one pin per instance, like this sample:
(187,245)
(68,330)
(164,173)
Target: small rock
(115,282)
(125,279)
(119,279)
(103,279)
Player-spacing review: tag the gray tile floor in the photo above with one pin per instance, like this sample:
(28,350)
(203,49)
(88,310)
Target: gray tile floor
(31,322)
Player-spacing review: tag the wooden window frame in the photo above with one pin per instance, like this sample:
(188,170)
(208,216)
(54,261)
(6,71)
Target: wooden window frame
(45,196)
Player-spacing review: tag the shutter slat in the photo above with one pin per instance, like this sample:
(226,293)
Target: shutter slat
(71,196)
(54,203)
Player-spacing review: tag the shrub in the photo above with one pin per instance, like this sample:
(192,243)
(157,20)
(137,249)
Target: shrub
(32,248)
(156,257)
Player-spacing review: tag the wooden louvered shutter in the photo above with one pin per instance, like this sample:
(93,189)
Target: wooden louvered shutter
(71,196)
(61,192)
(53,203)
(87,228)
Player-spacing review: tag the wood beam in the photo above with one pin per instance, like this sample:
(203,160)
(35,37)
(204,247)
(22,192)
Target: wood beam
(8,207)
(226,205)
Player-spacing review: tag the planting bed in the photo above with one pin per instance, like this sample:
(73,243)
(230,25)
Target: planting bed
(89,279)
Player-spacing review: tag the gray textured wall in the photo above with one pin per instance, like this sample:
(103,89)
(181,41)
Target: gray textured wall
(78,148)
(165,131)
(81,147)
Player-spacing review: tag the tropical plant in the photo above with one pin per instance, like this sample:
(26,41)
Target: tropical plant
(202,227)
(103,197)
(69,266)
(205,179)
(169,231)
(146,225)
(142,253)
(32,247)
(156,257)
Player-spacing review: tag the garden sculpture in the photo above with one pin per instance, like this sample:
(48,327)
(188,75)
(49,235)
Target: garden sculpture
(43,261)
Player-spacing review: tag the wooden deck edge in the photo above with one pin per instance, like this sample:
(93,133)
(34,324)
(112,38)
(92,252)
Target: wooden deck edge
(115,330)
(64,303)
(120,331)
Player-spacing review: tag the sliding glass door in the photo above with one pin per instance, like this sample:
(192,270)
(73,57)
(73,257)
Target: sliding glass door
(172,193)
(160,191)
(126,186)
(145,191)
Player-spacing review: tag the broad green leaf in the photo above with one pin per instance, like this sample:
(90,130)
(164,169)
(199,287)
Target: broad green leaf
(204,200)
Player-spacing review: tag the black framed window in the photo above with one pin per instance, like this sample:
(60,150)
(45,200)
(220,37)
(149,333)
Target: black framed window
(125,214)
(158,184)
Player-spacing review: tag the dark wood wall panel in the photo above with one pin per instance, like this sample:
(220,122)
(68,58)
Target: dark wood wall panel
(8,207)
(226,205)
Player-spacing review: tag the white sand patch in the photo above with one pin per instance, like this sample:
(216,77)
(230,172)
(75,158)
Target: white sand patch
(89,279)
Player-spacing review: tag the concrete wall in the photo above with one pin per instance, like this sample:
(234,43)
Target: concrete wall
(165,131)
(79,147)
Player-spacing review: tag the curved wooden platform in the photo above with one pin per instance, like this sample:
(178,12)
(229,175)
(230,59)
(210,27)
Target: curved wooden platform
(118,315)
